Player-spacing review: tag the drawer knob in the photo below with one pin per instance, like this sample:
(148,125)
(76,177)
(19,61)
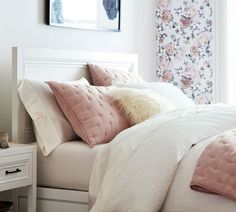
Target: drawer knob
(12,172)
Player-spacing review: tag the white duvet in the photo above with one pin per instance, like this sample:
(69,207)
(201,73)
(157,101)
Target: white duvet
(135,171)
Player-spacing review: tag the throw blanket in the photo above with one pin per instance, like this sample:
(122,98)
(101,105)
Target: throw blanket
(135,171)
(216,168)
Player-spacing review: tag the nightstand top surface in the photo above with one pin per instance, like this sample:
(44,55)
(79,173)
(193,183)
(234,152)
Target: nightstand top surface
(15,148)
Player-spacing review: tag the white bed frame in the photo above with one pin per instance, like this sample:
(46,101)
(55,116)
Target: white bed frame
(48,64)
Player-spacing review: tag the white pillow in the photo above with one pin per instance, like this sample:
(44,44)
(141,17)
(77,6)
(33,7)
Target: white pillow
(172,92)
(140,104)
(51,126)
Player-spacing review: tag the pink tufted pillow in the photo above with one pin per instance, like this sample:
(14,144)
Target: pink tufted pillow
(105,76)
(91,111)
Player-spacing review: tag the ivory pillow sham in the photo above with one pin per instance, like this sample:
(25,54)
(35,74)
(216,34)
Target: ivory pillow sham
(51,126)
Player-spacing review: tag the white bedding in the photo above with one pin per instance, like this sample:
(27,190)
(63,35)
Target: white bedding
(69,166)
(134,172)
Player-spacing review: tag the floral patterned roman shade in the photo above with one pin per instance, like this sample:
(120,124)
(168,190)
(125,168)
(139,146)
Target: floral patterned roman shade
(185,46)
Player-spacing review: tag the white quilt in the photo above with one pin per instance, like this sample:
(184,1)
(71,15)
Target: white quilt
(134,172)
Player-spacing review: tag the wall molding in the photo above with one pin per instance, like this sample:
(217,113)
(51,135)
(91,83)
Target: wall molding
(220,51)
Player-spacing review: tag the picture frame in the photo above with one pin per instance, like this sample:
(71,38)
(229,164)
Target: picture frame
(103,15)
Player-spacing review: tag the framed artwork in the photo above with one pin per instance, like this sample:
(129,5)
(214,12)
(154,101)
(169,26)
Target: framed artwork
(85,14)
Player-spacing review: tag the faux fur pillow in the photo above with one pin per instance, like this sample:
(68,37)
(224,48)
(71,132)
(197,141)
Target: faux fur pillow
(140,104)
(177,97)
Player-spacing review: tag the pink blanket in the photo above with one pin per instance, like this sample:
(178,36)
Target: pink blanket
(216,168)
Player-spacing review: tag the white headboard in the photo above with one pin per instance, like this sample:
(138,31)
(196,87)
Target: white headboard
(52,64)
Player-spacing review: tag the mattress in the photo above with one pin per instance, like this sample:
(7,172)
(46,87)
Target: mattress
(69,166)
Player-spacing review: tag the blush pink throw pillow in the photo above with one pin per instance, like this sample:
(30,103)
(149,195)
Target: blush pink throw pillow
(91,111)
(105,76)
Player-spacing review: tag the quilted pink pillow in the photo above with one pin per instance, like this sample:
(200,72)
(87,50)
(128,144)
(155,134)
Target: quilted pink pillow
(104,76)
(91,111)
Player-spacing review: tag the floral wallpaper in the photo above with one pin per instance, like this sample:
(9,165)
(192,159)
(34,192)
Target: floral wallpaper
(185,46)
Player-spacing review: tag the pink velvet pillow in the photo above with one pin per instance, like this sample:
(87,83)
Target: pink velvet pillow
(91,111)
(105,76)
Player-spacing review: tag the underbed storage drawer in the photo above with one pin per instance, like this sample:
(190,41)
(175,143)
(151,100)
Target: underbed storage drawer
(53,205)
(56,200)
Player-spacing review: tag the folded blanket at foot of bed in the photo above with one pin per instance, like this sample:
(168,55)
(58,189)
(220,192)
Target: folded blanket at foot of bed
(216,168)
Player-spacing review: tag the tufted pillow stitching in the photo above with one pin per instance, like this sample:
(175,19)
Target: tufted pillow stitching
(108,131)
(104,76)
(68,108)
(96,78)
(217,174)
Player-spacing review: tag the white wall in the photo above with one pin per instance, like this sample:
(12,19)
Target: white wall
(145,37)
(22,24)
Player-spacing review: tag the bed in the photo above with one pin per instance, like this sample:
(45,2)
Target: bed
(148,182)
(65,192)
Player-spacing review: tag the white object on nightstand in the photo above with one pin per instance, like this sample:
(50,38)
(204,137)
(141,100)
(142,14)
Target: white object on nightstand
(17,170)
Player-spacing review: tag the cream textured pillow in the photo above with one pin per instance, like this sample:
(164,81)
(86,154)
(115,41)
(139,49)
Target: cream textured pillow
(140,104)
(168,90)
(91,111)
(51,126)
(105,76)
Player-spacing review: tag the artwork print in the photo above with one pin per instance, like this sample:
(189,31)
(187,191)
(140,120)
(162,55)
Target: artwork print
(185,46)
(88,14)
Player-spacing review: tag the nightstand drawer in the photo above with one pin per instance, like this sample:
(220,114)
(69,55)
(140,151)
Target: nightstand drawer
(15,169)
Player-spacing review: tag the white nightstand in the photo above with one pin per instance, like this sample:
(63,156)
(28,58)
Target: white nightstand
(18,169)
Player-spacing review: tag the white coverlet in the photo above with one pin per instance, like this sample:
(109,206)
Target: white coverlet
(134,172)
